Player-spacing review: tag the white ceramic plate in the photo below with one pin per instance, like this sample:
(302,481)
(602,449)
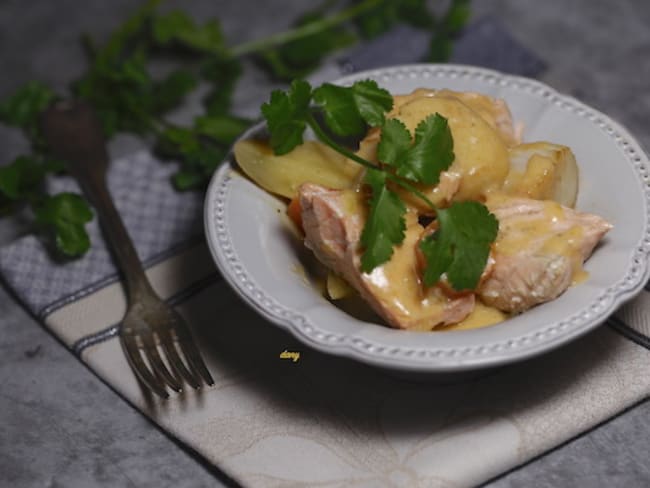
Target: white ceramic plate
(250,242)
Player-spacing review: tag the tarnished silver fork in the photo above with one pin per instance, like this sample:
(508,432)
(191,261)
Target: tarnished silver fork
(73,133)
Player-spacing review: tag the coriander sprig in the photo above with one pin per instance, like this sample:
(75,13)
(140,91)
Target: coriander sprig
(461,244)
(119,83)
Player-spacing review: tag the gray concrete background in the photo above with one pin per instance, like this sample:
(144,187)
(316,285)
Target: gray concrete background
(60,426)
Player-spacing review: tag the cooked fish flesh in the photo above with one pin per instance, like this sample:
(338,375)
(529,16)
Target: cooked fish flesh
(333,221)
(539,251)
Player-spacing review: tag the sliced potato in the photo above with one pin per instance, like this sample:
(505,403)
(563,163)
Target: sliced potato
(481,155)
(337,287)
(543,171)
(311,162)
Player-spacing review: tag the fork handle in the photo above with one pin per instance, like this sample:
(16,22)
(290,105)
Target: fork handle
(74,133)
(119,241)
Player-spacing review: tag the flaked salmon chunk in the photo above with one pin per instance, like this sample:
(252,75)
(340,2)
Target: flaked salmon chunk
(333,221)
(539,251)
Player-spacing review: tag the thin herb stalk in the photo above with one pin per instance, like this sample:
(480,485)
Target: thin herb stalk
(297,33)
(325,138)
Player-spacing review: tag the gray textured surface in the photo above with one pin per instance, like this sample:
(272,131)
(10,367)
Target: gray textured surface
(61,426)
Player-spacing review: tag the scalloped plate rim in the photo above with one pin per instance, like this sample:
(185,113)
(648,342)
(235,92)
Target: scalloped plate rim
(437,360)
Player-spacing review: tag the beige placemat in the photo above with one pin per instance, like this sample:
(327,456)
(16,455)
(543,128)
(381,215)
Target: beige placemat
(326,421)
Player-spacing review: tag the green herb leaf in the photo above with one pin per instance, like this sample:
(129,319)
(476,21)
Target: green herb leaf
(371,101)
(285,115)
(378,20)
(65,215)
(390,12)
(185,180)
(348,109)
(222,128)
(117,82)
(21,177)
(341,113)
(298,58)
(457,16)
(176,26)
(222,75)
(416,13)
(171,91)
(122,94)
(23,108)
(394,143)
(461,245)
(385,225)
(123,37)
(440,48)
(431,153)
(450,25)
(197,158)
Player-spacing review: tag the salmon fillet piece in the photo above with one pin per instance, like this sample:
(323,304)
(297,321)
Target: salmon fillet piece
(539,251)
(333,221)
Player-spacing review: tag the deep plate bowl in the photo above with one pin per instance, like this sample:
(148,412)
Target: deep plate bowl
(249,239)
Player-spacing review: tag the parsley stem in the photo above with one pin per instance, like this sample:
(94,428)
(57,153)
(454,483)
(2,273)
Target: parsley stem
(407,186)
(303,30)
(325,138)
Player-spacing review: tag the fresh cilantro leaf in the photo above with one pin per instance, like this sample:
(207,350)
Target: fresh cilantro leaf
(388,13)
(198,158)
(394,144)
(371,101)
(166,28)
(23,108)
(450,25)
(222,128)
(341,113)
(171,91)
(177,27)
(424,159)
(285,115)
(122,38)
(198,166)
(21,177)
(385,225)
(117,82)
(10,181)
(185,180)
(296,59)
(440,48)
(461,245)
(222,75)
(122,94)
(177,140)
(65,215)
(416,13)
(377,20)
(431,153)
(348,109)
(457,16)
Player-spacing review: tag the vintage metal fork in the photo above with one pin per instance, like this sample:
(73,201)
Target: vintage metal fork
(74,134)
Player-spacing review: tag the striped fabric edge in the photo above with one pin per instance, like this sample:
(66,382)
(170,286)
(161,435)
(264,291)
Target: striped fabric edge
(112,331)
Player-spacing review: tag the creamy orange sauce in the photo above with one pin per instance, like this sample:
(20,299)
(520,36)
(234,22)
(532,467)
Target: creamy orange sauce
(485,145)
(481,159)
(527,232)
(482,316)
(397,283)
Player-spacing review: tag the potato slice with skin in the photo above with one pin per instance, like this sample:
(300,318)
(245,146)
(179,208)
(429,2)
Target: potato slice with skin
(543,171)
(493,110)
(311,162)
(337,287)
(481,155)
